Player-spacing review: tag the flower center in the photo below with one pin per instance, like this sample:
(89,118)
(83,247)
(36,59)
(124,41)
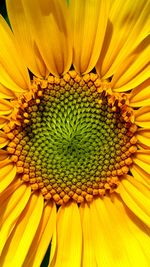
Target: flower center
(75,138)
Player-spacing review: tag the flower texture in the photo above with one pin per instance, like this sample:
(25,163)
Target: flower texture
(75,133)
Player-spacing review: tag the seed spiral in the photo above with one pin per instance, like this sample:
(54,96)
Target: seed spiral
(75,140)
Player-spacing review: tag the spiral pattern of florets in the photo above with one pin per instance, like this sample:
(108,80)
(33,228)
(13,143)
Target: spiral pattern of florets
(75,140)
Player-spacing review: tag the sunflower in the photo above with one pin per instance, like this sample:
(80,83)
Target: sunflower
(75,133)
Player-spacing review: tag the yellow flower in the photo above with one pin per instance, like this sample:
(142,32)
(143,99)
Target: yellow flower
(75,133)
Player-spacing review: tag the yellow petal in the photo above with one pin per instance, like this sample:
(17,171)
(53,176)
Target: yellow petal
(142,188)
(10,189)
(4,158)
(50,27)
(6,93)
(43,237)
(3,121)
(89,18)
(142,159)
(128,25)
(69,237)
(137,228)
(88,254)
(3,139)
(9,205)
(136,198)
(11,210)
(134,69)
(111,236)
(13,73)
(136,80)
(7,174)
(140,175)
(24,38)
(109,250)
(143,136)
(24,232)
(140,96)
(5,107)
(142,117)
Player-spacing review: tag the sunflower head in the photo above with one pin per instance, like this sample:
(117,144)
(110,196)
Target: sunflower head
(75,133)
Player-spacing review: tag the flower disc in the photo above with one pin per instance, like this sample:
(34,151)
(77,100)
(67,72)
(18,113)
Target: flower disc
(75,138)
